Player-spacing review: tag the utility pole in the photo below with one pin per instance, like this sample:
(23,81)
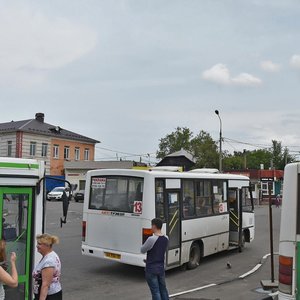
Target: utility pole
(270,284)
(220,142)
(245,159)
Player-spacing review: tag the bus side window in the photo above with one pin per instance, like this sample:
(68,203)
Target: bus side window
(246,200)
(188,199)
(203,198)
(159,199)
(219,197)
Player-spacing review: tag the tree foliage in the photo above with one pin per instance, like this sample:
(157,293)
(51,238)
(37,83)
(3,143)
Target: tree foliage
(275,157)
(205,151)
(175,141)
(201,145)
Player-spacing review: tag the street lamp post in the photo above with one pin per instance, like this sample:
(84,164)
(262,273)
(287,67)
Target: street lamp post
(220,142)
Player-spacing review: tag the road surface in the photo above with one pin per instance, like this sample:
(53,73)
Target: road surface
(89,278)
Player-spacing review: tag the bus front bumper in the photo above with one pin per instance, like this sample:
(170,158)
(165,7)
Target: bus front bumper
(108,254)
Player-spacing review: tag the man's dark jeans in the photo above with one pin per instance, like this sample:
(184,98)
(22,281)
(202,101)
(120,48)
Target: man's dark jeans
(157,285)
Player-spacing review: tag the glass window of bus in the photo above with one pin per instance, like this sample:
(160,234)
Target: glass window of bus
(247,201)
(188,199)
(203,198)
(219,189)
(117,193)
(159,199)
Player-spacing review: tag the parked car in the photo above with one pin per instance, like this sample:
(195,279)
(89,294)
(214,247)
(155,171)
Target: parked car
(79,196)
(57,193)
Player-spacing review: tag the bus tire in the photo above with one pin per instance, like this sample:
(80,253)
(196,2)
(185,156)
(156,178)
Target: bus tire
(195,256)
(242,246)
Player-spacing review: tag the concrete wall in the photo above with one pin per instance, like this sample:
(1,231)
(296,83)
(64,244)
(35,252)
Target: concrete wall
(39,140)
(4,138)
(75,176)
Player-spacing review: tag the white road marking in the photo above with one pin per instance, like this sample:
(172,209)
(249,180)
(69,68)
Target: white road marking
(243,276)
(193,290)
(251,271)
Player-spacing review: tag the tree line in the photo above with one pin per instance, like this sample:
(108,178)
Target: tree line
(206,153)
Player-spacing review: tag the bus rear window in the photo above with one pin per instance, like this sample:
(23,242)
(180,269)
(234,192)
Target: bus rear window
(117,193)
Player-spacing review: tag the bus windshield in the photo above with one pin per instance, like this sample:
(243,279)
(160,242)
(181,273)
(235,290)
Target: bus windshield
(117,193)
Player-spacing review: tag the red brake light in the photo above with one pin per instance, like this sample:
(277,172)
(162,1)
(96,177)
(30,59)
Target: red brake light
(285,274)
(146,233)
(83,230)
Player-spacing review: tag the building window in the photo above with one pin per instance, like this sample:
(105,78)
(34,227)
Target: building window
(44,149)
(55,151)
(66,152)
(9,148)
(86,154)
(77,153)
(81,185)
(32,150)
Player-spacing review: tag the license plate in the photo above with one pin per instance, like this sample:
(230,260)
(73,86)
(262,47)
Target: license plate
(112,255)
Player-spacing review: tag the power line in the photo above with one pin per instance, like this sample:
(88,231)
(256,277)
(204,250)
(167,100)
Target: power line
(264,146)
(147,155)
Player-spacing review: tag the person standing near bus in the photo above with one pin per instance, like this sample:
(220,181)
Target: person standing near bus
(5,277)
(46,275)
(156,247)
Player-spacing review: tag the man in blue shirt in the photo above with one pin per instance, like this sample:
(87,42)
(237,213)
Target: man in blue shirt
(156,247)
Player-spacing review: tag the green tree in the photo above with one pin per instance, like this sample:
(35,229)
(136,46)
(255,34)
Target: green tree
(275,157)
(280,155)
(233,161)
(175,141)
(205,150)
(202,146)
(257,157)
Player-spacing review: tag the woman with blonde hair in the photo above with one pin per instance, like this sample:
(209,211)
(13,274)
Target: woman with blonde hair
(10,280)
(46,275)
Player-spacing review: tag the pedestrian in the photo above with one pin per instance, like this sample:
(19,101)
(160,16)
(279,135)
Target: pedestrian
(46,274)
(278,201)
(10,280)
(156,247)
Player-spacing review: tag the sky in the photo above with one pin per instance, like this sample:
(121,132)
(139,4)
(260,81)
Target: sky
(128,72)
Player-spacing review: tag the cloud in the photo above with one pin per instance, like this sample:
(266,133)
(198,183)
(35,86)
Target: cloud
(220,74)
(295,61)
(33,44)
(269,66)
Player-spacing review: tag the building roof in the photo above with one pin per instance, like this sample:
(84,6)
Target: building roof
(94,165)
(180,158)
(38,126)
(183,153)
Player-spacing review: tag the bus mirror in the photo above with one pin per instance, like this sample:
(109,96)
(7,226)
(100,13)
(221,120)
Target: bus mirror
(65,206)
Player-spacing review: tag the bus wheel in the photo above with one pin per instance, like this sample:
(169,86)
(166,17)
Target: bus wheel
(195,255)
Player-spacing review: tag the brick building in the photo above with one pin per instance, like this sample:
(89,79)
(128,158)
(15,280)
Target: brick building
(33,138)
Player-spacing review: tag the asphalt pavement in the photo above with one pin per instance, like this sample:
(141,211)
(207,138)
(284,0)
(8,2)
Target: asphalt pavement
(90,278)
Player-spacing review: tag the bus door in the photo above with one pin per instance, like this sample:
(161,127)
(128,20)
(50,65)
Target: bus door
(15,229)
(235,217)
(173,227)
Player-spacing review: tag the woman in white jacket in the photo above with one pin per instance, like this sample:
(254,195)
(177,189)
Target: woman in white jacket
(10,280)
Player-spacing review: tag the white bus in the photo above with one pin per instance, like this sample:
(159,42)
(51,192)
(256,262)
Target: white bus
(22,211)
(203,214)
(289,244)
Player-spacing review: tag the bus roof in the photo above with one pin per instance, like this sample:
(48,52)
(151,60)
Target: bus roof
(167,174)
(14,168)
(18,163)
